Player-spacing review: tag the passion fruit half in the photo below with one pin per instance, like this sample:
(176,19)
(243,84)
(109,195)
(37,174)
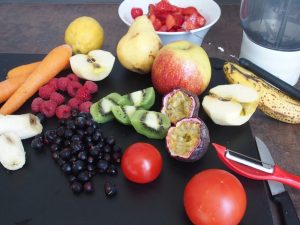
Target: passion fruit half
(180,104)
(188,141)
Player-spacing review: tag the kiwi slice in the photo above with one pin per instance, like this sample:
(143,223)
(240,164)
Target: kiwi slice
(150,123)
(144,98)
(101,110)
(122,113)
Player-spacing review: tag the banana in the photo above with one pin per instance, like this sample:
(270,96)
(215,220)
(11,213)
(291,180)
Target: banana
(24,125)
(272,101)
(12,154)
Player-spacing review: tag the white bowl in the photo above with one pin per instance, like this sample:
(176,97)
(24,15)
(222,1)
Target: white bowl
(208,8)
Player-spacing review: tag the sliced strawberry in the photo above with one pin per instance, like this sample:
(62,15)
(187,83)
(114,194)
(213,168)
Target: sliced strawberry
(162,15)
(135,12)
(170,21)
(201,21)
(152,18)
(165,6)
(157,24)
(163,28)
(190,22)
(151,9)
(178,19)
(189,11)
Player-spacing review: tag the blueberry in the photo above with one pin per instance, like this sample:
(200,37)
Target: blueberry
(89,131)
(80,132)
(54,147)
(50,136)
(67,143)
(72,178)
(73,159)
(112,170)
(76,137)
(83,114)
(76,146)
(62,122)
(58,140)
(76,187)
(66,168)
(88,187)
(88,139)
(107,157)
(96,136)
(60,131)
(83,176)
(78,166)
(116,156)
(41,117)
(107,148)
(60,162)
(65,153)
(90,159)
(102,166)
(82,155)
(90,167)
(71,125)
(80,121)
(37,143)
(116,148)
(89,123)
(110,189)
(55,156)
(68,133)
(110,140)
(74,113)
(101,155)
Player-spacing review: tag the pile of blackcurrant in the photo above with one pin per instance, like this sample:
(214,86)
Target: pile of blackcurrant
(81,151)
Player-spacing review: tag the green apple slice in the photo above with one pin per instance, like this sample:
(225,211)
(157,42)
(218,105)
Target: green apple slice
(94,66)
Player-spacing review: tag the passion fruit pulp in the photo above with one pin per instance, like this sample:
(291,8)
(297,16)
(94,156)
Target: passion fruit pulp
(189,140)
(180,104)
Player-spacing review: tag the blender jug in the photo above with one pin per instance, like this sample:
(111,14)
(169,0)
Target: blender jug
(271,37)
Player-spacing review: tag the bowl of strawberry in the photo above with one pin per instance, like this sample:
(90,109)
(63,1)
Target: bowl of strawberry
(174,20)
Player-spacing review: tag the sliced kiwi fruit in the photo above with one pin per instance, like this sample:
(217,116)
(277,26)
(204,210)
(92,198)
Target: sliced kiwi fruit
(144,98)
(150,123)
(122,113)
(101,110)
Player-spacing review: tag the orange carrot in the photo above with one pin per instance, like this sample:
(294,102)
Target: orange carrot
(56,60)
(26,69)
(9,86)
(23,69)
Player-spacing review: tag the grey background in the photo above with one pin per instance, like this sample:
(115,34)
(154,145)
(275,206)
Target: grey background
(94,1)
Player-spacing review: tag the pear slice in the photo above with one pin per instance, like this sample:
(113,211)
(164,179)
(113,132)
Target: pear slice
(94,66)
(230,104)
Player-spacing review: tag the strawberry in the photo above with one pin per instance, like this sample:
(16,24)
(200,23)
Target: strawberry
(162,16)
(189,11)
(191,22)
(135,12)
(151,9)
(165,6)
(178,19)
(157,24)
(200,20)
(152,18)
(163,28)
(170,22)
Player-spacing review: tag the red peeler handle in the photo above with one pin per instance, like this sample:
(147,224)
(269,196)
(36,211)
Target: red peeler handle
(286,178)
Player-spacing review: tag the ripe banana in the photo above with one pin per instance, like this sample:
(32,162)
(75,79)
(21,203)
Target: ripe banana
(12,154)
(272,101)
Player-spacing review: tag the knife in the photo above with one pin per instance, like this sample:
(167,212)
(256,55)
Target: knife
(279,195)
(278,83)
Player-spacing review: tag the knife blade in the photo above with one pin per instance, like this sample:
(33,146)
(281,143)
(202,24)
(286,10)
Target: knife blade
(279,195)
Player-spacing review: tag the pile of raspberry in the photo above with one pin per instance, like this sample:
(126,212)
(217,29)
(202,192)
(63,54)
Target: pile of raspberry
(52,100)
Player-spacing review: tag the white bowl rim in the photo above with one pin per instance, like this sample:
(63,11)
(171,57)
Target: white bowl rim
(206,26)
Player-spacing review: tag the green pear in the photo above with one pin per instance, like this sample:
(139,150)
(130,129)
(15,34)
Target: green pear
(138,48)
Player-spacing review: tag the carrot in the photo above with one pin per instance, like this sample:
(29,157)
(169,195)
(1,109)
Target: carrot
(56,60)
(9,86)
(26,69)
(23,69)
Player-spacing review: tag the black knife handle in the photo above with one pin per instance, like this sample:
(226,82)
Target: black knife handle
(280,84)
(288,210)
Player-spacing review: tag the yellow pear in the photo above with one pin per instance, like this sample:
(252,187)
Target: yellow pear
(138,48)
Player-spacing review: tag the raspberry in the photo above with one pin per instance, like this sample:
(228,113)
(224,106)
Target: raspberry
(91,86)
(73,77)
(58,98)
(83,94)
(36,104)
(74,103)
(63,112)
(48,108)
(85,106)
(53,83)
(63,83)
(45,91)
(73,88)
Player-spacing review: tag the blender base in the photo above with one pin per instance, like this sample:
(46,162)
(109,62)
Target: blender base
(282,64)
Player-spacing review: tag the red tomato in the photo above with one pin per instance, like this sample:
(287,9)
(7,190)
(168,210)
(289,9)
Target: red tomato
(214,197)
(141,163)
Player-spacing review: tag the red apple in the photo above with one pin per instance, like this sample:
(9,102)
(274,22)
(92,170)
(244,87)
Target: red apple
(181,64)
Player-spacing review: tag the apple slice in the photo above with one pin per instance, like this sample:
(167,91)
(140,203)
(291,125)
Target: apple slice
(94,66)
(230,104)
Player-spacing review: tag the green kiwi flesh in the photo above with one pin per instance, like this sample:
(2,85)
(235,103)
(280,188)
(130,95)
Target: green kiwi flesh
(144,98)
(150,123)
(122,113)
(101,110)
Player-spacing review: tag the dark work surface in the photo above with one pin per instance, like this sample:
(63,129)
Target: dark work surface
(39,192)
(37,28)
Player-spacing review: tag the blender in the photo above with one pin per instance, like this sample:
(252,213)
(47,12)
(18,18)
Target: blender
(271,36)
